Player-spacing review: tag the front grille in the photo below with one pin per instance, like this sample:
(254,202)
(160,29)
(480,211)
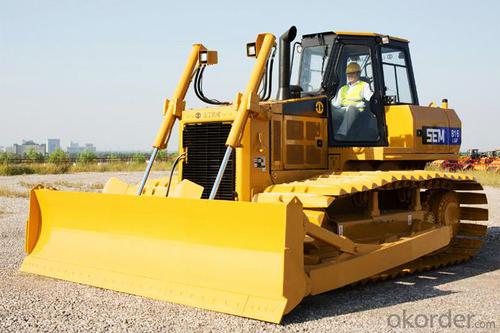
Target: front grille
(205,145)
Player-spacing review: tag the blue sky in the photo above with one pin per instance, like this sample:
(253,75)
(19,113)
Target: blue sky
(98,71)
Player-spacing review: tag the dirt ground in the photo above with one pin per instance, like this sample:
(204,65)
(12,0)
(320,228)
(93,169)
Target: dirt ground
(35,303)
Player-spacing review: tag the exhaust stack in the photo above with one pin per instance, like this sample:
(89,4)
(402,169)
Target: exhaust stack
(284,76)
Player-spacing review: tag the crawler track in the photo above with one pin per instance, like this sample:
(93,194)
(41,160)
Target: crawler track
(318,193)
(462,248)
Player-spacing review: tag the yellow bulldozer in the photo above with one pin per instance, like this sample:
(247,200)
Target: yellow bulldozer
(276,199)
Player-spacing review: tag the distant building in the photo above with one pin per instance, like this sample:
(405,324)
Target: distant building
(75,148)
(53,145)
(90,147)
(27,146)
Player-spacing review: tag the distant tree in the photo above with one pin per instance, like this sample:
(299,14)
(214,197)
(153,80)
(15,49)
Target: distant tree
(35,156)
(6,157)
(86,157)
(114,156)
(58,156)
(139,157)
(162,155)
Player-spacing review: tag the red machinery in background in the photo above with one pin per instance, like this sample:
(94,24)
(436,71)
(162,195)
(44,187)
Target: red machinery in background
(472,160)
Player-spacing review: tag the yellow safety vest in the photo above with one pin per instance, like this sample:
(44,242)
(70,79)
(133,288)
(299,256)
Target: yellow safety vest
(354,96)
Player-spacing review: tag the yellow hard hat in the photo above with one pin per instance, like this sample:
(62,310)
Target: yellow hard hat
(352,67)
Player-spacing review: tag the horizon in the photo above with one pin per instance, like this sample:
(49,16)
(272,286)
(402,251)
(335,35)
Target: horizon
(169,151)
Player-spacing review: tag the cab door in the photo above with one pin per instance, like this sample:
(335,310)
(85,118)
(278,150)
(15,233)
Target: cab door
(360,124)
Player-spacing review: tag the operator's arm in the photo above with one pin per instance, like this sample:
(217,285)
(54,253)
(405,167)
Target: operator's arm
(366,94)
(336,102)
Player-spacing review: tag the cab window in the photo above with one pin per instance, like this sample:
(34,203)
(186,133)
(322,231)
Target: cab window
(312,67)
(396,78)
(351,114)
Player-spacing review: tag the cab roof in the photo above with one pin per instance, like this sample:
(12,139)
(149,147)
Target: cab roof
(353,33)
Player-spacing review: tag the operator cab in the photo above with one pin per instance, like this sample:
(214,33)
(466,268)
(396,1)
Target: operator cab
(382,76)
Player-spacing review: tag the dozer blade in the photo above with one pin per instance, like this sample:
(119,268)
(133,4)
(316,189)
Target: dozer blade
(240,258)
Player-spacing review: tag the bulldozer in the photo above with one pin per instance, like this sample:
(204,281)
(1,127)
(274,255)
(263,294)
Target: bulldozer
(276,199)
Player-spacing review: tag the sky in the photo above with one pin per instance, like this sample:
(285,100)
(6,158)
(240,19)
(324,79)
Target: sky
(98,71)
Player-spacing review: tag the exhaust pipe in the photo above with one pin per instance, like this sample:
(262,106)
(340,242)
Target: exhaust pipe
(284,76)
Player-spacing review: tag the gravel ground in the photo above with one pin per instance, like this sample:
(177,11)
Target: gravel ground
(34,303)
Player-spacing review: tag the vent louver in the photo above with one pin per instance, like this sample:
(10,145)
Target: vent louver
(205,144)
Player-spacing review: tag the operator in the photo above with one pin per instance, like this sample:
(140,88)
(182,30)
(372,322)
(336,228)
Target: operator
(350,101)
